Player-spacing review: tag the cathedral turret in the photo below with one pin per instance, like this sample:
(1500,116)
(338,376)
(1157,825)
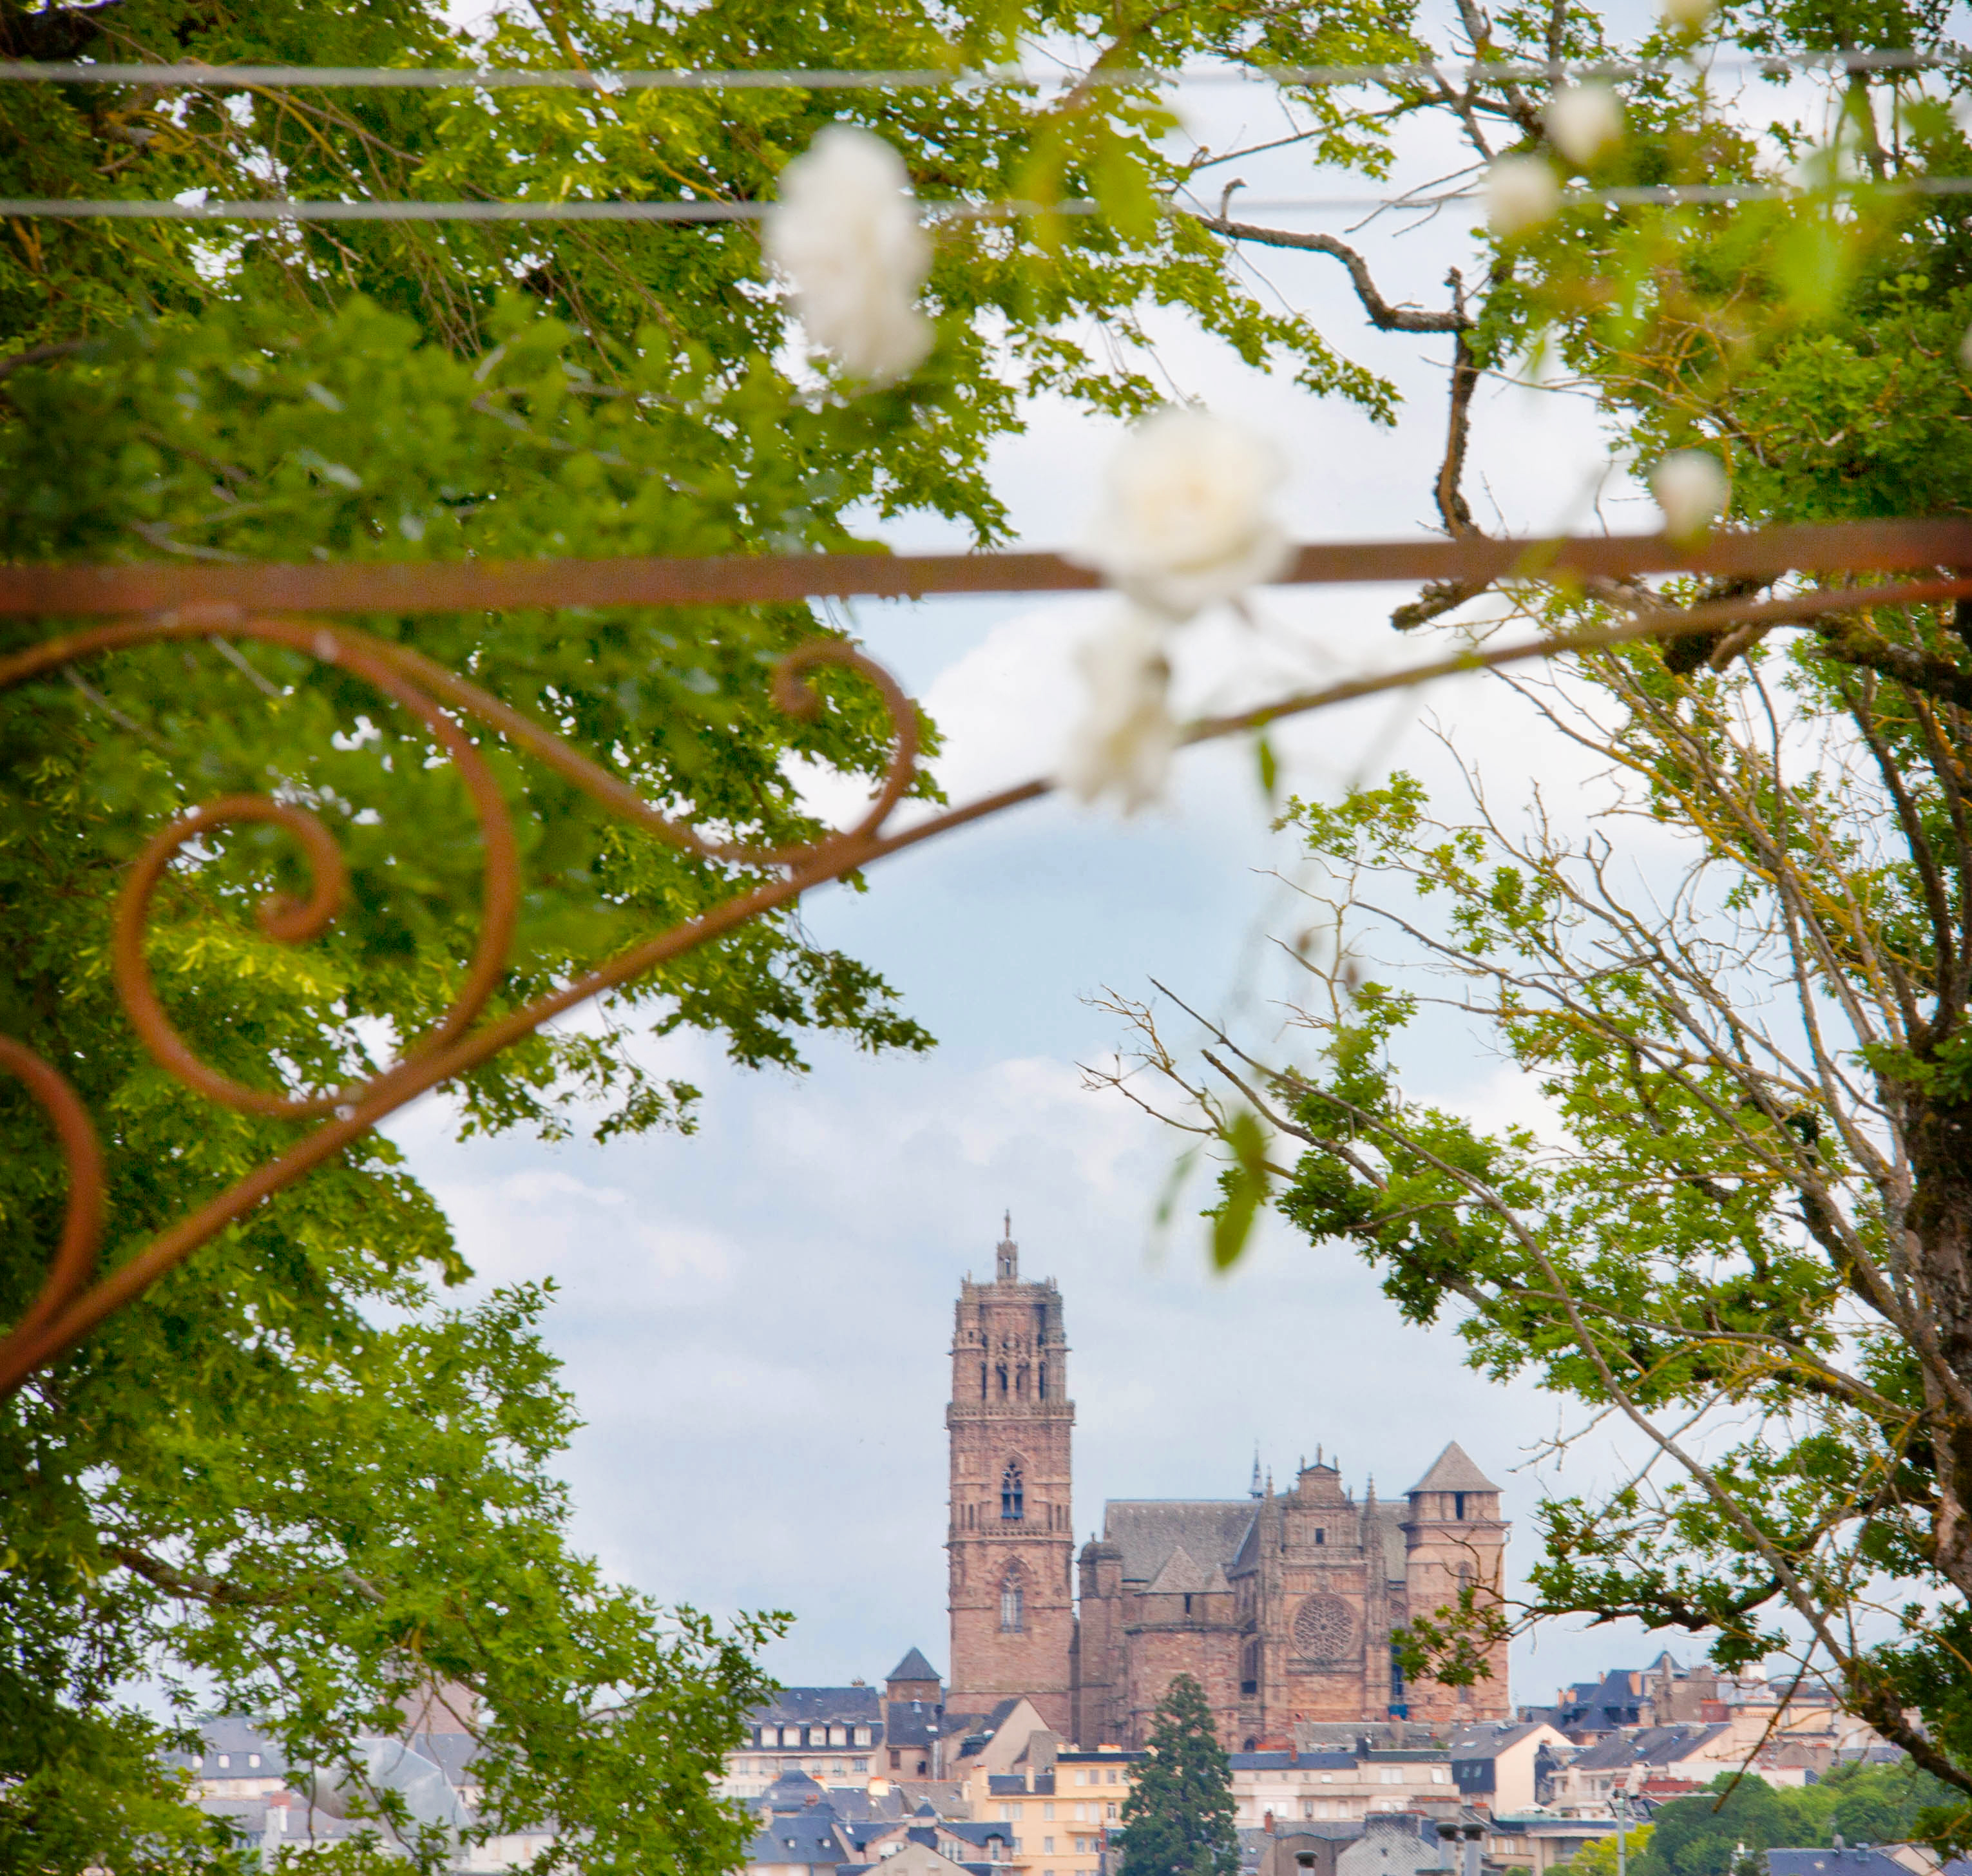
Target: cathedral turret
(1455,1540)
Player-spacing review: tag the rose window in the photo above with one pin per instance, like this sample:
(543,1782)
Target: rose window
(1323,1628)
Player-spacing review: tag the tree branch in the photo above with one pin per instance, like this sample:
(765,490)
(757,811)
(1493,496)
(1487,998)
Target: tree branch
(1382,315)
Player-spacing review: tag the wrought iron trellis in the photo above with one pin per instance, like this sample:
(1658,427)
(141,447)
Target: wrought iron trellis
(283,606)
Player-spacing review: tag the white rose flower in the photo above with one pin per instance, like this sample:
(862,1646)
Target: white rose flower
(1521,193)
(1584,121)
(1692,490)
(1185,523)
(1690,14)
(1124,744)
(845,233)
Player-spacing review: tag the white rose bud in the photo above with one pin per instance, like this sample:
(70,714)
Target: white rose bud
(1585,121)
(1124,744)
(1185,523)
(1687,14)
(1521,193)
(1692,490)
(846,235)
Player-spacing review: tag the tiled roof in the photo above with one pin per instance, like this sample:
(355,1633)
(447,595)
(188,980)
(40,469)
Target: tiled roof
(1146,1531)
(1452,1471)
(913,1667)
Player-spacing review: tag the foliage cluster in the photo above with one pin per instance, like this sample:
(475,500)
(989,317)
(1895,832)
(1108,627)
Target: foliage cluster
(1178,1820)
(1860,1804)
(294,1482)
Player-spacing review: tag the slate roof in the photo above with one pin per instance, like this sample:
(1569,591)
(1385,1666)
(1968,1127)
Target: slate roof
(236,1737)
(1146,1531)
(1280,1761)
(913,1667)
(793,1789)
(1014,1785)
(1855,1862)
(1452,1471)
(797,1706)
(1650,1745)
(803,1836)
(965,1725)
(977,1833)
(1489,1741)
(1182,1573)
(912,1722)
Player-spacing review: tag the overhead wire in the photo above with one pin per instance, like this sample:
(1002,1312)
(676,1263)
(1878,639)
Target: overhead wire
(503,78)
(281,209)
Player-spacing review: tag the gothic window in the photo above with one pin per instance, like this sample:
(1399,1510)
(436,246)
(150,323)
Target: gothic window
(1013,1604)
(1320,1535)
(1003,1381)
(1012,1500)
(1041,1389)
(982,1381)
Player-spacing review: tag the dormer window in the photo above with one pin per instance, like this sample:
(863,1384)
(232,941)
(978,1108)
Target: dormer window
(1013,1499)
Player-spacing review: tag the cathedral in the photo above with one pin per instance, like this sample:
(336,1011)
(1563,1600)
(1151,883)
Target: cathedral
(1281,1604)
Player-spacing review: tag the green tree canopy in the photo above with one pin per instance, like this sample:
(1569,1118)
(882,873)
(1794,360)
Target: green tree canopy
(292,1481)
(1178,1820)
(1743,994)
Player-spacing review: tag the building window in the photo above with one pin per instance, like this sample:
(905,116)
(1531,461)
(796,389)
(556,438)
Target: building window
(896,1761)
(1012,1604)
(1041,1373)
(1013,1493)
(1458,1505)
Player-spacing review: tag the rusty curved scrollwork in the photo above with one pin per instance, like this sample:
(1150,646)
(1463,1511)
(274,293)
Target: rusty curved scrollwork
(74,1300)
(69,1305)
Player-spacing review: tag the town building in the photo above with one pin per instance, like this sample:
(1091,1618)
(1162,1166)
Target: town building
(1509,1766)
(1283,1605)
(1333,1786)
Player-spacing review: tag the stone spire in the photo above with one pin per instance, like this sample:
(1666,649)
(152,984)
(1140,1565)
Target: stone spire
(1253,1491)
(1009,1255)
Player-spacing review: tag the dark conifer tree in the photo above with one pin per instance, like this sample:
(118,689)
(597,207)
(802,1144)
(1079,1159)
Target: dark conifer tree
(1178,1819)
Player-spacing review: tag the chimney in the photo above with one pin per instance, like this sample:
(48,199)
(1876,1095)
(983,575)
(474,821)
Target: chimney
(1267,1823)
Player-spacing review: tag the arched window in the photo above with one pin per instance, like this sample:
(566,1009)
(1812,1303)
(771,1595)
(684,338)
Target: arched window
(1003,1381)
(1012,1500)
(1013,1604)
(1042,1389)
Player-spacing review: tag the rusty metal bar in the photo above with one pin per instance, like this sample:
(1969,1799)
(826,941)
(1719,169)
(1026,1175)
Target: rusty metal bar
(475,585)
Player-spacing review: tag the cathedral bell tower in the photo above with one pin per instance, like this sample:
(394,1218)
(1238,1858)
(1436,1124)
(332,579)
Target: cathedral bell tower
(1011,1535)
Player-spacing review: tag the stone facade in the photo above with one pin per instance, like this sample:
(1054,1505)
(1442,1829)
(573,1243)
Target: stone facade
(1282,1605)
(1011,1537)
